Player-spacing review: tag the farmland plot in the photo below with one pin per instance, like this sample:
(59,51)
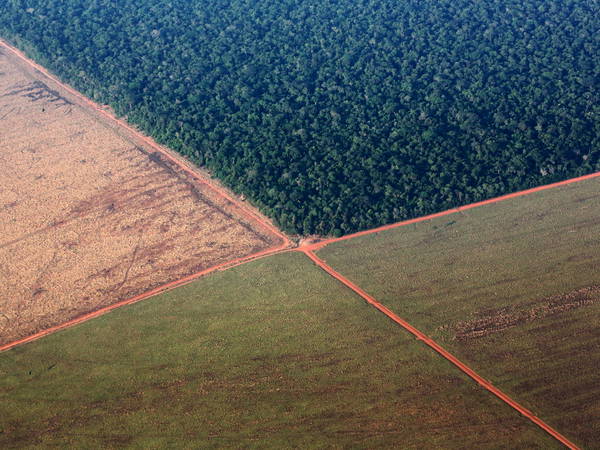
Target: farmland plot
(89,215)
(270,354)
(511,288)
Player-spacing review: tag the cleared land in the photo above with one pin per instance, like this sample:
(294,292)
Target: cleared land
(510,288)
(89,216)
(270,354)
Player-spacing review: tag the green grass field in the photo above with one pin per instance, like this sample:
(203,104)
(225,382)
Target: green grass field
(270,354)
(490,284)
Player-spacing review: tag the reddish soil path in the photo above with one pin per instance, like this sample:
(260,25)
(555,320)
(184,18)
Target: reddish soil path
(323,243)
(137,298)
(244,210)
(440,350)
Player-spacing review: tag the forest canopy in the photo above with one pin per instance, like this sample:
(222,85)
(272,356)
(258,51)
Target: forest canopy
(338,115)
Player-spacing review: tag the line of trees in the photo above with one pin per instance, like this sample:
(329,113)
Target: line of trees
(339,115)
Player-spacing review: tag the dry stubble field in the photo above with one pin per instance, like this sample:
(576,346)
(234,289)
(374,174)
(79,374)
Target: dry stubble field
(89,216)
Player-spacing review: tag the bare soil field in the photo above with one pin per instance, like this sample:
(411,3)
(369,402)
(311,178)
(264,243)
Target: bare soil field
(90,216)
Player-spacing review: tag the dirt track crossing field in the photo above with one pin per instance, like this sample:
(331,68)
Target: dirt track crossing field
(440,350)
(511,289)
(89,215)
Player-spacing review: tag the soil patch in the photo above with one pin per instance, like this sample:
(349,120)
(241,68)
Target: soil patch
(494,321)
(90,215)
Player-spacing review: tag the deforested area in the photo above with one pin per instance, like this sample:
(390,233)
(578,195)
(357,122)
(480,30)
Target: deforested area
(510,288)
(89,216)
(294,360)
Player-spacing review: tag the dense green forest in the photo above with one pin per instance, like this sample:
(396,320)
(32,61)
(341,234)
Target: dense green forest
(339,115)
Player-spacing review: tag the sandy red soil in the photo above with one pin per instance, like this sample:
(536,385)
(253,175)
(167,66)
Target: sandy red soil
(90,214)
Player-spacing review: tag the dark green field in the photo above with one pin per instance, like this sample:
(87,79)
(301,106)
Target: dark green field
(513,289)
(270,354)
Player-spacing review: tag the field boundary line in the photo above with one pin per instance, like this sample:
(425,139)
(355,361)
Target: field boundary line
(325,242)
(139,297)
(241,210)
(439,349)
(178,161)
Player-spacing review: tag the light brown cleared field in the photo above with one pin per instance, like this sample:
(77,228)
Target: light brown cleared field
(89,216)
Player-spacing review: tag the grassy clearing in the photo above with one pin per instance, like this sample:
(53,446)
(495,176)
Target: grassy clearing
(272,353)
(503,270)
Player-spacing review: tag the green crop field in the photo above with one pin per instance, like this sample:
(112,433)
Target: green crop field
(512,289)
(273,353)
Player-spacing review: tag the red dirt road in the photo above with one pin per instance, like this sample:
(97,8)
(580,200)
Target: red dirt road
(323,243)
(308,250)
(137,298)
(440,350)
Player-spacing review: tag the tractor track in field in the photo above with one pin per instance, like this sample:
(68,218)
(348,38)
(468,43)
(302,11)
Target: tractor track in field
(419,335)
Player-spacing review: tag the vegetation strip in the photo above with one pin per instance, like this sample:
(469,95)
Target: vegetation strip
(245,211)
(439,349)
